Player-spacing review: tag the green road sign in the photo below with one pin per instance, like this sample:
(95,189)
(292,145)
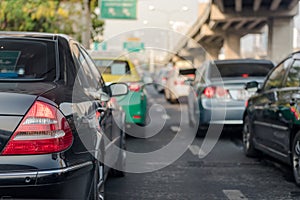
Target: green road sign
(8,60)
(118,9)
(102,45)
(133,46)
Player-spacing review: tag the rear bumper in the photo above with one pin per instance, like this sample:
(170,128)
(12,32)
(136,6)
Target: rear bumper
(70,182)
(218,113)
(180,91)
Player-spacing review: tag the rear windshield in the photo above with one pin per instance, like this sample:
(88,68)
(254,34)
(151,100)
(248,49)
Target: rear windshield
(190,73)
(113,67)
(240,70)
(27,59)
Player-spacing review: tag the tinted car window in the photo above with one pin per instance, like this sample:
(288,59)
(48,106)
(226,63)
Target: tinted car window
(293,78)
(239,70)
(27,60)
(276,77)
(113,67)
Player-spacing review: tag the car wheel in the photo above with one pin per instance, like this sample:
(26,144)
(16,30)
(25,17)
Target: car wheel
(167,96)
(98,183)
(296,158)
(201,132)
(173,99)
(121,162)
(248,145)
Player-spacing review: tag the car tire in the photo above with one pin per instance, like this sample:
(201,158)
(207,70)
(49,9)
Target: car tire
(296,158)
(97,192)
(248,146)
(201,131)
(167,96)
(173,99)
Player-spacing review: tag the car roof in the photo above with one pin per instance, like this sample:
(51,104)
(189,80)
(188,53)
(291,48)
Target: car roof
(36,35)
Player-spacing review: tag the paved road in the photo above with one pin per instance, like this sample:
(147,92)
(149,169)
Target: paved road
(225,173)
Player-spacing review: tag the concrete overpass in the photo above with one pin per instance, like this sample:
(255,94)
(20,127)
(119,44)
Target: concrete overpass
(223,22)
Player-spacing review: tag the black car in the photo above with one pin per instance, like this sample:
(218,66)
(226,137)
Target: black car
(272,117)
(218,96)
(56,120)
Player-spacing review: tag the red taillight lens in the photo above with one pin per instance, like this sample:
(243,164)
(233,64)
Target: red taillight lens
(164,79)
(43,130)
(245,75)
(209,92)
(178,82)
(134,87)
(216,92)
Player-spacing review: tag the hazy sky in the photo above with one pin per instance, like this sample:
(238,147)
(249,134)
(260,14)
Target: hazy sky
(164,12)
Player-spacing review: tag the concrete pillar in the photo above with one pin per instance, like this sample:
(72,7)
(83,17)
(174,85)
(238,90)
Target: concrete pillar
(232,46)
(212,51)
(280,38)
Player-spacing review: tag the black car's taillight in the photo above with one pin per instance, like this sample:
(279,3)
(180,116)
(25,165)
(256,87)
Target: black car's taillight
(43,130)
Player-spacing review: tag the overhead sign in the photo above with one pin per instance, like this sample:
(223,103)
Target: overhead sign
(118,9)
(133,46)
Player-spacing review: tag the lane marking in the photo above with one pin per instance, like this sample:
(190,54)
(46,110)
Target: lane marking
(165,116)
(196,150)
(234,195)
(159,109)
(175,128)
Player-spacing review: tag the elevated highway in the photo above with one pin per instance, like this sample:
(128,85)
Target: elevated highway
(222,23)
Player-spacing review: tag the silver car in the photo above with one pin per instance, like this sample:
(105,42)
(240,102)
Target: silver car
(218,95)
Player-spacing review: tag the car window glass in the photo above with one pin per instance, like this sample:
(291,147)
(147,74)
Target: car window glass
(81,77)
(96,77)
(113,67)
(27,60)
(276,78)
(293,78)
(247,69)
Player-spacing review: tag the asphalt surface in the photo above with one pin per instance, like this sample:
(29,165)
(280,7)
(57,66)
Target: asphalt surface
(225,173)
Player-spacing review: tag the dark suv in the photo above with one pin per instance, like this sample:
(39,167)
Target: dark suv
(272,117)
(56,121)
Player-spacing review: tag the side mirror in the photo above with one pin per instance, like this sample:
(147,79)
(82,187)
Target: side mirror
(252,86)
(118,89)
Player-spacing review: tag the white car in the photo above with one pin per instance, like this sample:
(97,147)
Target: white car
(177,83)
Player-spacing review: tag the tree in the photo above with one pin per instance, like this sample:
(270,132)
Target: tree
(37,15)
(53,16)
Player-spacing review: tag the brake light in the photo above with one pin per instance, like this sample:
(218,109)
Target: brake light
(209,92)
(43,130)
(245,75)
(136,116)
(216,92)
(164,79)
(246,103)
(134,87)
(178,82)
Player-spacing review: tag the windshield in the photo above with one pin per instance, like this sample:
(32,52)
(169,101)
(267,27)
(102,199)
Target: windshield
(227,70)
(26,59)
(113,67)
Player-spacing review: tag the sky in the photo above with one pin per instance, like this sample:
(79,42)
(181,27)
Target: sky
(164,13)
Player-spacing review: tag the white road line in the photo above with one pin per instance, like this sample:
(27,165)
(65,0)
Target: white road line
(196,150)
(175,128)
(234,195)
(165,116)
(159,109)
